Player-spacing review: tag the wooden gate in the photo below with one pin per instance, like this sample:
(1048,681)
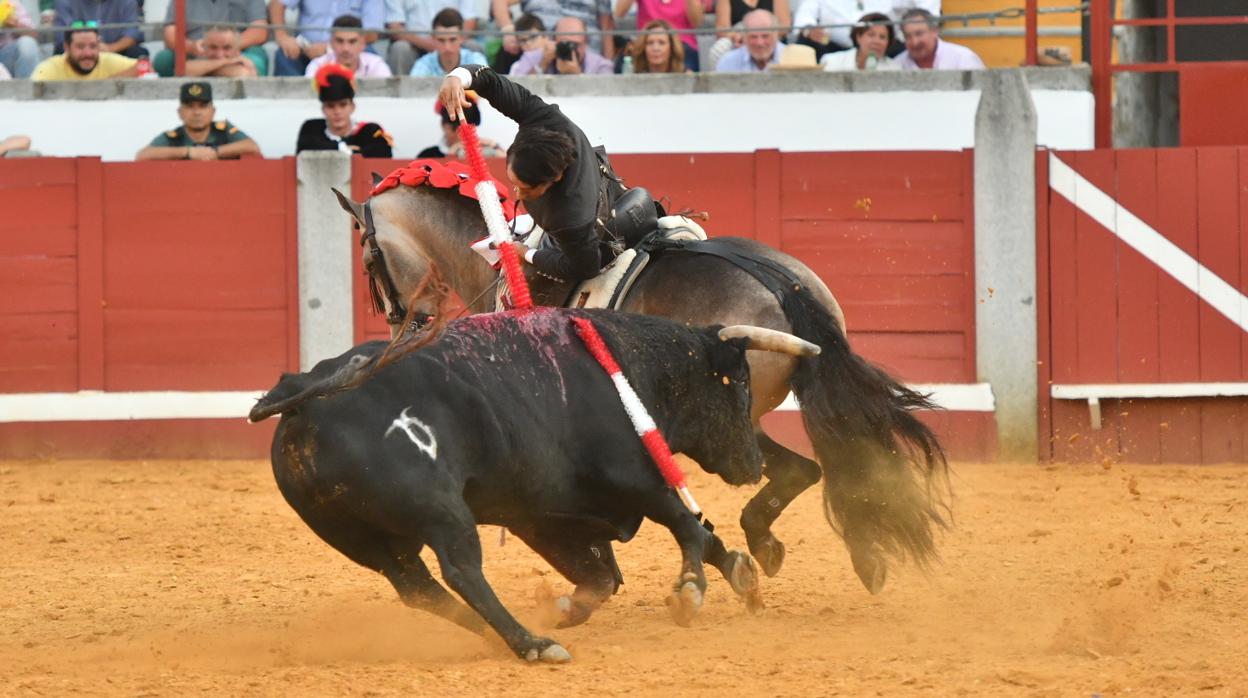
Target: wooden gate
(1145,356)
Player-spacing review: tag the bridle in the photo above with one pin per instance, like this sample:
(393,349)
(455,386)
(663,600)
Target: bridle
(379,279)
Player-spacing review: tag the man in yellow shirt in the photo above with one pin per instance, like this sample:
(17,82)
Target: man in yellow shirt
(83,59)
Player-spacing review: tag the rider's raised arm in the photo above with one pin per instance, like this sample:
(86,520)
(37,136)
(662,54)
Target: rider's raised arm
(510,99)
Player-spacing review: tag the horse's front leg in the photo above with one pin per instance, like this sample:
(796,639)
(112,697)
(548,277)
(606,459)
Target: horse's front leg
(788,475)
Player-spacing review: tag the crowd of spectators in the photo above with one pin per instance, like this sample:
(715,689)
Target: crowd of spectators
(333,40)
(378,38)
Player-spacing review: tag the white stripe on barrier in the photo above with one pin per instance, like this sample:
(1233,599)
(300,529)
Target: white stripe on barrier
(90,406)
(1154,246)
(954,397)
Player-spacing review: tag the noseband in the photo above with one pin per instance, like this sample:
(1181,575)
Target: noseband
(379,279)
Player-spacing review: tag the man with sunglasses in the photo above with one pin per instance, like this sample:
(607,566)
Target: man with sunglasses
(199,137)
(83,58)
(128,41)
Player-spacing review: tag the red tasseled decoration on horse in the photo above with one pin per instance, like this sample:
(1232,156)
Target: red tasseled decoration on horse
(443,175)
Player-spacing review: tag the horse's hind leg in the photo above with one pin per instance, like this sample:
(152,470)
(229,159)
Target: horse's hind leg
(788,475)
(418,589)
(454,539)
(589,564)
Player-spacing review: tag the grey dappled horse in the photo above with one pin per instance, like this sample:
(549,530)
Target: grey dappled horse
(883,470)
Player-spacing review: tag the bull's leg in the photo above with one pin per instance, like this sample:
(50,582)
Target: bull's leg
(589,564)
(788,475)
(418,589)
(695,542)
(458,548)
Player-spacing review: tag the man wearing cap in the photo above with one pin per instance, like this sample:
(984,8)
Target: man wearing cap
(335,86)
(199,137)
(83,59)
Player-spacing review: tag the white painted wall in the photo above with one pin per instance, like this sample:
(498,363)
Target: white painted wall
(903,120)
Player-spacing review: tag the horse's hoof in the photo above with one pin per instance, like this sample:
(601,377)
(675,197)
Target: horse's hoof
(684,604)
(744,581)
(554,653)
(871,569)
(769,552)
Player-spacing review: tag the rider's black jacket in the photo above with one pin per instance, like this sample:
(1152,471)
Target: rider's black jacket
(571,209)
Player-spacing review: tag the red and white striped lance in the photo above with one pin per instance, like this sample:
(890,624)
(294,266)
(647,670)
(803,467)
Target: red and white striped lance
(650,435)
(495,222)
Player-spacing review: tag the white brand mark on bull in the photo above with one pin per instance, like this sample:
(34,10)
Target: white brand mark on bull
(405,422)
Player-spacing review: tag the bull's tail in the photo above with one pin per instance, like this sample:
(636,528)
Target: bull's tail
(884,472)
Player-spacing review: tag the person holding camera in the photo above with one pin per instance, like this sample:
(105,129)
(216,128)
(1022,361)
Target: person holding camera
(567,54)
(566,184)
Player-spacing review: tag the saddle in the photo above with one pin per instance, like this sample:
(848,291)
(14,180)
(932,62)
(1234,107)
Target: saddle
(611,286)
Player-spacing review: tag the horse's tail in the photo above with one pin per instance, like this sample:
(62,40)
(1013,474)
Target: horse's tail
(884,472)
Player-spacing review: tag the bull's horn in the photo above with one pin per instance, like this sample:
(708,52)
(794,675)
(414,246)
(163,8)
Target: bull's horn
(764,339)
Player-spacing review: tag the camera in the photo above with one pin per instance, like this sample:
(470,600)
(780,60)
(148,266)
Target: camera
(565,50)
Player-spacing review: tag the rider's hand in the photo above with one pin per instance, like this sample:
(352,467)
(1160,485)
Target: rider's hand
(452,97)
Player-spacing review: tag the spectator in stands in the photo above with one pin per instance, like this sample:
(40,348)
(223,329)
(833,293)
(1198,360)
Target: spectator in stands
(926,51)
(127,42)
(335,87)
(658,50)
(407,22)
(761,48)
(295,52)
(567,54)
(871,36)
(220,56)
(677,15)
(83,59)
(448,36)
(4,73)
(729,13)
(19,52)
(450,146)
(199,137)
(529,30)
(347,50)
(202,15)
(591,13)
(13,144)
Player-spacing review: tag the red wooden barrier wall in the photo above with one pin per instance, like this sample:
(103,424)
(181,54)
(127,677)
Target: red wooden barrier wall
(181,276)
(146,276)
(1118,318)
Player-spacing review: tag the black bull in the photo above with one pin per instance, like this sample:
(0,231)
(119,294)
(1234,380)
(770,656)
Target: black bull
(507,420)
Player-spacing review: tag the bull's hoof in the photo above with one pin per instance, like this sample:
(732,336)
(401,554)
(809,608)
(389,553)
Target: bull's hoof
(744,581)
(871,569)
(552,653)
(768,551)
(684,603)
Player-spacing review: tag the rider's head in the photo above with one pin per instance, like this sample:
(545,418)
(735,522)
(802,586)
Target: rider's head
(537,159)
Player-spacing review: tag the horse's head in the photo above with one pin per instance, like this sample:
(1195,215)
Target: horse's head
(404,234)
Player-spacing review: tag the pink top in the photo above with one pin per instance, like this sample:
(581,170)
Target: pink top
(673,11)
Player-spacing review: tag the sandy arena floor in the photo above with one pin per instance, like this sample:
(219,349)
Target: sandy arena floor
(195,578)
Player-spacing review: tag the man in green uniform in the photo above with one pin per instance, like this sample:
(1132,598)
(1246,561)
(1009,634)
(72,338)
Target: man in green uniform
(199,137)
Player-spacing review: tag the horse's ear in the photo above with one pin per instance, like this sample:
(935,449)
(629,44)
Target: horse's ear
(355,209)
(377,179)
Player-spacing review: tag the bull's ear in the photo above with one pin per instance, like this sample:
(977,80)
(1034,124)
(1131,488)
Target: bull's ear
(355,209)
(377,179)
